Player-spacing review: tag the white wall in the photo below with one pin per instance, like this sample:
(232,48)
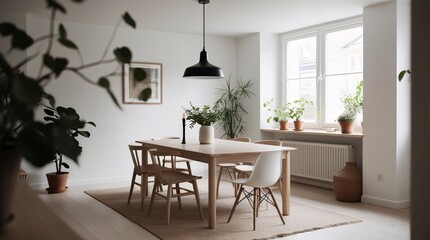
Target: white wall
(386,146)
(105,154)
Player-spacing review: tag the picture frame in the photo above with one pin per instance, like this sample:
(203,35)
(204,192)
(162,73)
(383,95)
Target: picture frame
(153,79)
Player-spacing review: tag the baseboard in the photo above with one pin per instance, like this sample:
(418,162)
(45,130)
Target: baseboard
(385,202)
(88,181)
(313,182)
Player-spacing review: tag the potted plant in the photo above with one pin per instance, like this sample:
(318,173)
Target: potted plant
(281,114)
(21,134)
(231,107)
(297,108)
(352,106)
(67,121)
(206,116)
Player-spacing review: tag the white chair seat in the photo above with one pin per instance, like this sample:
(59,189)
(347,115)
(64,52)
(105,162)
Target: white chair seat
(227,164)
(245,168)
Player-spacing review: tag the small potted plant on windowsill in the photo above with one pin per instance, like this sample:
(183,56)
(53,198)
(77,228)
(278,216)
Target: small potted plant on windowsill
(281,114)
(206,116)
(297,108)
(352,106)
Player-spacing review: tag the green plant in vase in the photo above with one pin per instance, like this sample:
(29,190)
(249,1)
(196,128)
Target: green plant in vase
(206,116)
(281,114)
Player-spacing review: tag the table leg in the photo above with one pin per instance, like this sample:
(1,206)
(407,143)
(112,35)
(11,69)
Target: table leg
(212,193)
(286,184)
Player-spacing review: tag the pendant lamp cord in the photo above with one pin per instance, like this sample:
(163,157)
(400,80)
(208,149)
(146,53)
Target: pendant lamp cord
(204,24)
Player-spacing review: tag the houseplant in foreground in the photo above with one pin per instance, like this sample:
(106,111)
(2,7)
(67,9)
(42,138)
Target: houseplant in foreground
(281,114)
(23,136)
(232,108)
(206,116)
(352,106)
(297,108)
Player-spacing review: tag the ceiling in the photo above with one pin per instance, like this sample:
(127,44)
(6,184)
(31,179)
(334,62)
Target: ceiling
(230,18)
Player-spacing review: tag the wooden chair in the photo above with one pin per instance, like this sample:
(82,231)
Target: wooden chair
(229,167)
(168,158)
(171,178)
(142,170)
(267,171)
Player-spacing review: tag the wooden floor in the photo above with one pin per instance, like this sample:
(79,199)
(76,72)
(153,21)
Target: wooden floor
(93,220)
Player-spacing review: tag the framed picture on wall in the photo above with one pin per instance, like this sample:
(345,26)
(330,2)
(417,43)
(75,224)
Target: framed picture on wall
(149,81)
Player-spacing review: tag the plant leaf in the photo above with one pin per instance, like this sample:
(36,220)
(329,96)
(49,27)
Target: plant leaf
(67,144)
(104,82)
(57,65)
(50,99)
(67,43)
(92,123)
(27,90)
(7,28)
(112,96)
(84,133)
(21,40)
(62,31)
(123,55)
(48,112)
(145,94)
(78,1)
(129,20)
(401,75)
(139,74)
(65,165)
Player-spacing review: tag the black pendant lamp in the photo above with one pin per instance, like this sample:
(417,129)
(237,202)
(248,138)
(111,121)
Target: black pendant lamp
(203,69)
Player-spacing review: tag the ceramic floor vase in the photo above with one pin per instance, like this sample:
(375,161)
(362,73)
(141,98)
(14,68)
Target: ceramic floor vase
(206,134)
(347,183)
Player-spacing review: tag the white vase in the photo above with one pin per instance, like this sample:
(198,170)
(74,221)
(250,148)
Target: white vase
(206,134)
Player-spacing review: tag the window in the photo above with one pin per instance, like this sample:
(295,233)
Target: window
(323,63)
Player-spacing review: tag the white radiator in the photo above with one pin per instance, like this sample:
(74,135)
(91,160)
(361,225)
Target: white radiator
(318,160)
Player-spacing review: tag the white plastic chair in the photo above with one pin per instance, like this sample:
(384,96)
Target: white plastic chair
(267,171)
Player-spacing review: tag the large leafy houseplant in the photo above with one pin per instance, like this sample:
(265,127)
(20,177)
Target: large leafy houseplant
(21,134)
(232,109)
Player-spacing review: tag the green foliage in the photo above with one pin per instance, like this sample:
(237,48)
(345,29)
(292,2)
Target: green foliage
(231,107)
(352,104)
(20,94)
(297,107)
(64,125)
(280,113)
(402,74)
(205,116)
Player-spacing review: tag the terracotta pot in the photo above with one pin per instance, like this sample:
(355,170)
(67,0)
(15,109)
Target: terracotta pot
(10,160)
(347,183)
(206,134)
(57,182)
(298,125)
(283,125)
(346,127)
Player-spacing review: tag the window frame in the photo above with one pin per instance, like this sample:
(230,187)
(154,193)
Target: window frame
(320,32)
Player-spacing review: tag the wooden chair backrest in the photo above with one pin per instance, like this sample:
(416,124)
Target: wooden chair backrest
(136,153)
(269,142)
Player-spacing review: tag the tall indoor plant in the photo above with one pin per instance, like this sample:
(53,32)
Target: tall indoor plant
(232,108)
(352,104)
(21,134)
(281,114)
(206,116)
(296,110)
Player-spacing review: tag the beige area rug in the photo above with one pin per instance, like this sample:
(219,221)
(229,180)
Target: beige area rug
(186,223)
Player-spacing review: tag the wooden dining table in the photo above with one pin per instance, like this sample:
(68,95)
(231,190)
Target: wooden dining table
(223,151)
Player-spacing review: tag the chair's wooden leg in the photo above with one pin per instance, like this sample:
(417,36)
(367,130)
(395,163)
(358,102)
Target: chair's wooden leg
(235,203)
(276,206)
(189,167)
(219,179)
(255,209)
(169,196)
(154,190)
(258,200)
(143,189)
(178,192)
(197,195)
(131,187)
(232,177)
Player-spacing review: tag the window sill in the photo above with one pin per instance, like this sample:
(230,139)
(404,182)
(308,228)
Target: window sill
(322,132)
